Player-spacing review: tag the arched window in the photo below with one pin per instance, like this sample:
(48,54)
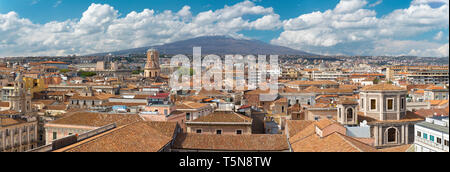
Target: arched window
(349,114)
(392,135)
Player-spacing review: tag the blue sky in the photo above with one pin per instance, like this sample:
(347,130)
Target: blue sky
(411,27)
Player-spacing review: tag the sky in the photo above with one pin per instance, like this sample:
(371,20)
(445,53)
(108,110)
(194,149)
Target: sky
(328,27)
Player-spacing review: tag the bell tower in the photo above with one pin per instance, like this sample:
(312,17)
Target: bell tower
(346,112)
(20,98)
(152,69)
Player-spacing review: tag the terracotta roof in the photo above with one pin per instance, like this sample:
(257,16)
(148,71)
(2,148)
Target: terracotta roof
(10,121)
(53,62)
(312,83)
(410,87)
(292,90)
(425,113)
(438,102)
(57,93)
(210,92)
(95,97)
(196,98)
(434,87)
(258,91)
(295,108)
(56,107)
(223,117)
(231,142)
(295,126)
(335,142)
(123,104)
(347,102)
(44,102)
(97,119)
(402,148)
(383,87)
(367,141)
(303,138)
(191,105)
(136,137)
(4,104)
(353,87)
(419,92)
(8,112)
(324,123)
(282,100)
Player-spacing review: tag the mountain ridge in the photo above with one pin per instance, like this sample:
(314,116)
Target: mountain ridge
(219,45)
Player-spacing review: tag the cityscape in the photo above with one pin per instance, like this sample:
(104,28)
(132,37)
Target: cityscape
(236,76)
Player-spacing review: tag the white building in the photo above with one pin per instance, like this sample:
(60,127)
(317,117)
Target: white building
(432,135)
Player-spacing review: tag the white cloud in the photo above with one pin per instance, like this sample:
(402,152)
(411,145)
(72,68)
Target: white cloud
(376,3)
(57,3)
(444,50)
(102,29)
(438,36)
(348,6)
(350,24)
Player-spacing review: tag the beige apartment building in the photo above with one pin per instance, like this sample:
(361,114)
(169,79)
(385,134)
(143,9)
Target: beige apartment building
(18,134)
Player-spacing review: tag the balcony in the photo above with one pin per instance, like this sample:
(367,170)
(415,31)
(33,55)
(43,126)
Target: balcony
(431,144)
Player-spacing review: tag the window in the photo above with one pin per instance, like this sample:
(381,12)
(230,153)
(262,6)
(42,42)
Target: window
(425,136)
(373,104)
(349,114)
(239,132)
(432,138)
(219,132)
(419,134)
(446,143)
(316,118)
(55,135)
(438,140)
(188,116)
(402,104)
(362,103)
(390,104)
(198,131)
(70,134)
(282,109)
(392,135)
(165,112)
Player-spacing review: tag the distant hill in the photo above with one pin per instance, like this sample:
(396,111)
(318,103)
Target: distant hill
(219,45)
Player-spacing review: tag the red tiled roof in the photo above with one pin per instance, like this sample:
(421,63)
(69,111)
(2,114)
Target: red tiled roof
(260,142)
(136,137)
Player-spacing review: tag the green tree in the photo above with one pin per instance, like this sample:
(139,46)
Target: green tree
(376,81)
(137,72)
(85,74)
(64,70)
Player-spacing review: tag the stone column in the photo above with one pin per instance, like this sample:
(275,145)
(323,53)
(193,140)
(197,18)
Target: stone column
(380,133)
(381,107)
(407,134)
(376,135)
(398,107)
(403,134)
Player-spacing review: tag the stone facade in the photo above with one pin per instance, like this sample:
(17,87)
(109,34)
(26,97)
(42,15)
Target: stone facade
(19,137)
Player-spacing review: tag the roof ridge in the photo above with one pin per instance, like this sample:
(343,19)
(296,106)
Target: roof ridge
(343,138)
(240,116)
(353,139)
